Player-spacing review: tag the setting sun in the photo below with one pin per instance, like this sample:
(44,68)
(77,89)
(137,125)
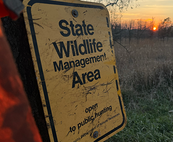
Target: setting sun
(154,28)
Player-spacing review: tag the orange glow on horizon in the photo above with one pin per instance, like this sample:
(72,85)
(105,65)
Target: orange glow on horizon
(154,28)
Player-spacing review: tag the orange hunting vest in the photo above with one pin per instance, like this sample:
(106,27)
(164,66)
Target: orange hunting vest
(4,11)
(16,121)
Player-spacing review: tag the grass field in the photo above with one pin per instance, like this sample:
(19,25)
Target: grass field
(146,79)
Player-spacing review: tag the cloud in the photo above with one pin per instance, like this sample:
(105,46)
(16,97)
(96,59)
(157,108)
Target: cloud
(130,14)
(159,6)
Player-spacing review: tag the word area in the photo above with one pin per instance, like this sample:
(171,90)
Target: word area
(90,76)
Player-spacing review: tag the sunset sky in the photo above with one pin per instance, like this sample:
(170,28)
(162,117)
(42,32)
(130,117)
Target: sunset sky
(142,9)
(158,9)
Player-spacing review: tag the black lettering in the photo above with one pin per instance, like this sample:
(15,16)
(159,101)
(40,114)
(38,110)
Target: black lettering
(84,51)
(79,125)
(92,118)
(96,115)
(101,57)
(84,27)
(72,62)
(110,108)
(98,58)
(64,28)
(75,75)
(79,31)
(90,108)
(66,65)
(72,28)
(87,45)
(62,48)
(72,47)
(92,58)
(93,107)
(85,121)
(72,128)
(83,77)
(82,62)
(97,74)
(77,63)
(86,110)
(87,61)
(104,56)
(94,43)
(91,46)
(90,28)
(60,67)
(99,44)
(90,76)
(75,43)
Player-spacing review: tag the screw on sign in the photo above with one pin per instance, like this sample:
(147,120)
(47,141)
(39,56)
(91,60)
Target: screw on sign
(74,13)
(95,134)
(74,59)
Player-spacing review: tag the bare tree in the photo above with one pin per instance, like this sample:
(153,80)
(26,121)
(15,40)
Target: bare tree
(165,29)
(115,6)
(151,25)
(141,28)
(131,26)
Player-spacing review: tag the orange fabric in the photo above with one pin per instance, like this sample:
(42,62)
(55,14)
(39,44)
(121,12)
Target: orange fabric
(1,33)
(4,11)
(16,121)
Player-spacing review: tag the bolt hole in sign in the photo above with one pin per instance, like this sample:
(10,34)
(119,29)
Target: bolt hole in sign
(73,55)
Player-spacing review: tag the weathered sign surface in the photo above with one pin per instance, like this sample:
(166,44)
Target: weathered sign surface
(72,50)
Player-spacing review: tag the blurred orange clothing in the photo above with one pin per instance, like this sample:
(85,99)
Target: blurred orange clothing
(16,121)
(4,11)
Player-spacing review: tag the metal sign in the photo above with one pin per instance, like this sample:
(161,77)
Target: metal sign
(72,50)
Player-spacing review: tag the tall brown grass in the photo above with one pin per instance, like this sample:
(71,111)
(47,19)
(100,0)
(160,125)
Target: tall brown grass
(147,66)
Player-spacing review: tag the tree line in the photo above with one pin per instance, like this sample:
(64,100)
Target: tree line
(140,29)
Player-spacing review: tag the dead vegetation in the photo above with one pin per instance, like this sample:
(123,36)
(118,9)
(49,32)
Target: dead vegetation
(147,65)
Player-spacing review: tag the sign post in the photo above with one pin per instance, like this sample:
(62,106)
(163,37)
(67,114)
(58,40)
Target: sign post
(72,51)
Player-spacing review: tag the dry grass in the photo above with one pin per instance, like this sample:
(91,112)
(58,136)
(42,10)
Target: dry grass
(147,66)
(146,83)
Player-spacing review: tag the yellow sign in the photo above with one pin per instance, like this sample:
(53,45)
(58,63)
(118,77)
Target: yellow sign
(72,50)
